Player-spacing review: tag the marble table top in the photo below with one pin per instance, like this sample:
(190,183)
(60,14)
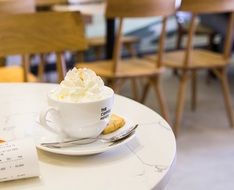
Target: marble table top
(145,162)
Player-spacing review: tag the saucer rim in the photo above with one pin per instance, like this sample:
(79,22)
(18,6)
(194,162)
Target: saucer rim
(74,152)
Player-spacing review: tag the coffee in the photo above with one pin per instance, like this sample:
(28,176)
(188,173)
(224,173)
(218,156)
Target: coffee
(81,105)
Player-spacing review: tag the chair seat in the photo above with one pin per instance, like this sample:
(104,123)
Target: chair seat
(101,41)
(14,74)
(200,59)
(127,68)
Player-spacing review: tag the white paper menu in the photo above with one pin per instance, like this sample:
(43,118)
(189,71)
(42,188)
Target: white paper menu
(18,159)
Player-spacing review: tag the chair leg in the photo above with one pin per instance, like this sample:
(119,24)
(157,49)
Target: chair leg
(226,95)
(25,66)
(145,92)
(161,99)
(180,102)
(41,68)
(134,89)
(194,91)
(113,84)
(116,84)
(60,66)
(2,61)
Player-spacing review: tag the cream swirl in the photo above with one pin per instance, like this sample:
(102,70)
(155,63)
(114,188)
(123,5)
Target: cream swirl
(80,85)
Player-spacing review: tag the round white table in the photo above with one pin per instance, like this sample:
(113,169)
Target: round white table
(145,162)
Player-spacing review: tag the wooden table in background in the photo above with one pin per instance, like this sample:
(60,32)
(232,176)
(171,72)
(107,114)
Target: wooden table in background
(49,2)
(91,9)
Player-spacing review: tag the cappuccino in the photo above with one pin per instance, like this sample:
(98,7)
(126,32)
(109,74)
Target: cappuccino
(80,106)
(80,85)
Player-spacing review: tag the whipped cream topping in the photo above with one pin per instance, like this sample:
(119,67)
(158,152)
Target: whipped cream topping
(80,85)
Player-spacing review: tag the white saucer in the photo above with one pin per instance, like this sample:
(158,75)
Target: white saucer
(42,135)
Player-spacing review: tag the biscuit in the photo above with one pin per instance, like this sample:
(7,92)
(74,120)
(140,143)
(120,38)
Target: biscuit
(2,141)
(116,122)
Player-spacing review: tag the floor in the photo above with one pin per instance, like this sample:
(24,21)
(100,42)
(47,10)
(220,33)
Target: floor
(205,145)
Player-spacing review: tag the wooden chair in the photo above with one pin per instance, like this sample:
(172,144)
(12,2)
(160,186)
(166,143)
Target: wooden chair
(116,71)
(183,30)
(191,60)
(27,34)
(98,44)
(201,30)
(14,7)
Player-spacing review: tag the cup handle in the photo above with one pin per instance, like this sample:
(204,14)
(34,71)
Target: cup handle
(43,120)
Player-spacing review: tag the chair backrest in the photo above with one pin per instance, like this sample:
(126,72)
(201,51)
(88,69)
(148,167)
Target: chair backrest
(41,33)
(133,9)
(207,7)
(16,6)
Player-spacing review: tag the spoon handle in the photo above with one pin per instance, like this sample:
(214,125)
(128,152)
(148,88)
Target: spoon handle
(67,143)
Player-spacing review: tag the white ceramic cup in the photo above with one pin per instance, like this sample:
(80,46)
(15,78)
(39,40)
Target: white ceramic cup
(78,120)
